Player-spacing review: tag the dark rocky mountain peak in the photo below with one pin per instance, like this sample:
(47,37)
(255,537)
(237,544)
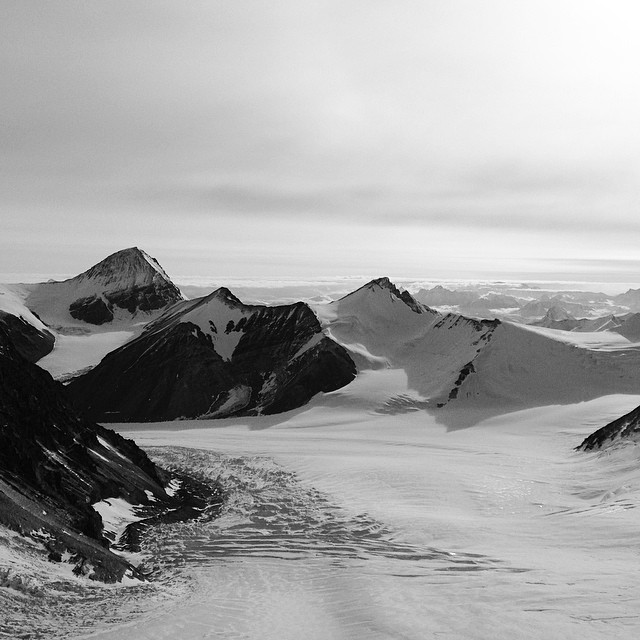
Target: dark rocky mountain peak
(216,357)
(129,269)
(31,342)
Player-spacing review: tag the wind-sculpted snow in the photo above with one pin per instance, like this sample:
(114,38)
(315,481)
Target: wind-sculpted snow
(343,524)
(269,514)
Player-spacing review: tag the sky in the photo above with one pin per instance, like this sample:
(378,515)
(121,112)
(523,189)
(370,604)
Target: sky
(301,138)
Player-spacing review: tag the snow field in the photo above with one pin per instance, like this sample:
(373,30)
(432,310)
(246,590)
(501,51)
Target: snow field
(496,531)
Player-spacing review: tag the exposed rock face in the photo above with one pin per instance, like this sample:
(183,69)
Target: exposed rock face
(128,281)
(29,341)
(215,357)
(92,309)
(626,428)
(54,464)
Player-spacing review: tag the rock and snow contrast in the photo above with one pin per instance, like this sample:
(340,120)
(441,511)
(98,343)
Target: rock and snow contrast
(30,336)
(426,484)
(126,284)
(85,317)
(59,473)
(215,357)
(622,431)
(452,359)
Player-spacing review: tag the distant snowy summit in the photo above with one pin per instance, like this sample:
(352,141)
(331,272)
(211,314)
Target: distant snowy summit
(122,286)
(627,325)
(215,357)
(385,291)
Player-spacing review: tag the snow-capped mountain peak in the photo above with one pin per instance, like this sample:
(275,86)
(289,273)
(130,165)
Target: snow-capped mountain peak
(382,286)
(125,268)
(120,286)
(222,294)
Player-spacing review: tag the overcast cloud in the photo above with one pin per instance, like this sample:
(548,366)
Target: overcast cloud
(297,138)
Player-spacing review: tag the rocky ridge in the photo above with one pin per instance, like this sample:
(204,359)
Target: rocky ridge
(215,357)
(55,465)
(621,430)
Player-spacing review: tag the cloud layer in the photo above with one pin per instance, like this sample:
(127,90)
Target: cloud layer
(316,137)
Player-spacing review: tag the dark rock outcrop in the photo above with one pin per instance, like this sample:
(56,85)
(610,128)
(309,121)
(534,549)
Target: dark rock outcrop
(30,342)
(55,464)
(625,428)
(215,357)
(92,309)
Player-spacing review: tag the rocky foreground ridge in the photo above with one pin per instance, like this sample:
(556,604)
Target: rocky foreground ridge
(54,465)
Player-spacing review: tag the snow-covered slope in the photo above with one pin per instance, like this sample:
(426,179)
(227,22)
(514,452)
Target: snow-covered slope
(127,284)
(375,323)
(215,356)
(522,366)
(458,361)
(383,328)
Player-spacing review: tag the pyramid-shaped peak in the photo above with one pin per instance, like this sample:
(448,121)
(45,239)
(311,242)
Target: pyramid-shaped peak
(556,313)
(379,283)
(385,284)
(224,295)
(126,267)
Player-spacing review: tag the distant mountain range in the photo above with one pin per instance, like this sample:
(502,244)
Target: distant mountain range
(215,356)
(627,325)
(525,303)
